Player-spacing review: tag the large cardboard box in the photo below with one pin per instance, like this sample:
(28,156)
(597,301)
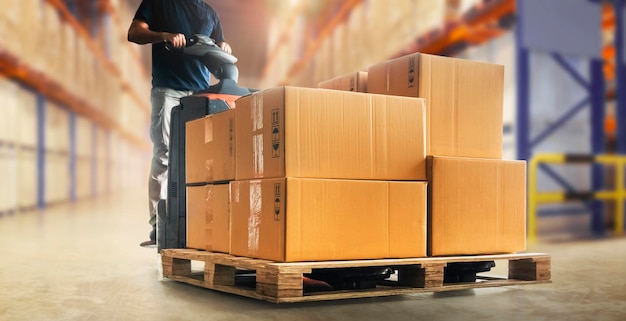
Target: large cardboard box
(210,148)
(208,217)
(463,98)
(356,82)
(321,133)
(476,206)
(294,219)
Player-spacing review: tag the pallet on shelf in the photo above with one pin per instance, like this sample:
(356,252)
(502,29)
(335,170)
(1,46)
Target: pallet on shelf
(283,282)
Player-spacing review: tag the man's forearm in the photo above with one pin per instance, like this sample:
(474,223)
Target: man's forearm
(140,33)
(142,36)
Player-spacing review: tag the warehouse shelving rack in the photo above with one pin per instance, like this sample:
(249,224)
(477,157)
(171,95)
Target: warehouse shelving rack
(595,86)
(97,13)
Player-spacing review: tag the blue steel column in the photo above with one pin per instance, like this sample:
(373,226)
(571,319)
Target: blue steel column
(93,12)
(596,94)
(71,6)
(106,21)
(620,72)
(94,160)
(620,75)
(41,151)
(522,65)
(108,174)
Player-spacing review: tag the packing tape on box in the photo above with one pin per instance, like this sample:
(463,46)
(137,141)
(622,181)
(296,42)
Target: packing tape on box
(208,164)
(209,199)
(208,130)
(257,112)
(257,155)
(254,220)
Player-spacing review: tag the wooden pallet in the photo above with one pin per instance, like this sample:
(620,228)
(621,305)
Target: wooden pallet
(283,282)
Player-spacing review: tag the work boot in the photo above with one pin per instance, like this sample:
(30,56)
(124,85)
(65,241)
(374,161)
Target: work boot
(152,241)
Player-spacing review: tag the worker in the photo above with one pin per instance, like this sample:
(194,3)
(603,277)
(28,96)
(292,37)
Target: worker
(174,75)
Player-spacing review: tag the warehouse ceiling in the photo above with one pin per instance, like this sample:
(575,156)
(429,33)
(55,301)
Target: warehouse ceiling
(245,25)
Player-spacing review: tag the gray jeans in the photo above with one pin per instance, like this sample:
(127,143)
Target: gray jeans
(163,100)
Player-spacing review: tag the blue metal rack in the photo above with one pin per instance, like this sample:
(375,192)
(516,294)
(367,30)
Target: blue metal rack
(72,156)
(41,151)
(620,71)
(594,87)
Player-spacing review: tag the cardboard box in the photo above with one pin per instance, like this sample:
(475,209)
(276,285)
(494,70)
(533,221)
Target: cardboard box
(463,101)
(321,133)
(208,217)
(295,219)
(210,148)
(356,82)
(476,206)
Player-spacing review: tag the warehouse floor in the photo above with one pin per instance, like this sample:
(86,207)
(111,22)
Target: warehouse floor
(83,262)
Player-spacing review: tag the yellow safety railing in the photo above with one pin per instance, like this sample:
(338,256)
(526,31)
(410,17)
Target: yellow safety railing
(536,197)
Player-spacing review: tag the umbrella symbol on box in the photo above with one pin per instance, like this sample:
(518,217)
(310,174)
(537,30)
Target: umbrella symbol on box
(275,142)
(276,209)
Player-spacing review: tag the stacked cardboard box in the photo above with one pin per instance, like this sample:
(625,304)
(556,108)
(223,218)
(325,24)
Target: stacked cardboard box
(328,175)
(319,174)
(476,199)
(210,165)
(412,168)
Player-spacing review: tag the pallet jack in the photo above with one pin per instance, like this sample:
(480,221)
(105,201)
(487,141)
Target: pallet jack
(172,212)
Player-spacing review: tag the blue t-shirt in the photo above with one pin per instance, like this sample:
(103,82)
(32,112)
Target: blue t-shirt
(174,69)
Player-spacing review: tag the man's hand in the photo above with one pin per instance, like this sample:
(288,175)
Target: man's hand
(225,46)
(176,39)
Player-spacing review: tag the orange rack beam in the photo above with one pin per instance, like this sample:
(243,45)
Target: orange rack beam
(475,27)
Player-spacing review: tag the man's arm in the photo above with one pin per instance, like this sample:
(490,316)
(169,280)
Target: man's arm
(140,33)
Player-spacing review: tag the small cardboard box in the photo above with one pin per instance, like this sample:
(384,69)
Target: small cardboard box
(321,133)
(356,82)
(463,101)
(208,217)
(210,148)
(476,206)
(294,219)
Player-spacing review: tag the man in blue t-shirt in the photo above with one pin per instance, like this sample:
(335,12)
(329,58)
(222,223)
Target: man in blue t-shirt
(174,75)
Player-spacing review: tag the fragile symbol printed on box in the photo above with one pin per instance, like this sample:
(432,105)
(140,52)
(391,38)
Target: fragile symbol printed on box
(412,72)
(275,133)
(277,202)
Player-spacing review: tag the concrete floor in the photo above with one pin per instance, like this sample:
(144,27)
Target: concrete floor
(83,262)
